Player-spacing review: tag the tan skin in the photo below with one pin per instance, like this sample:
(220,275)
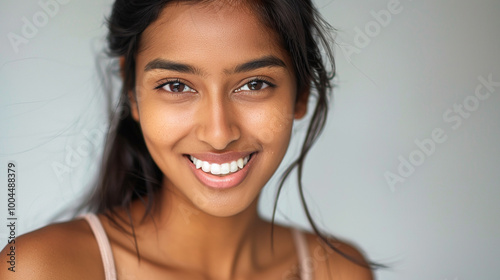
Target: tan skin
(216,107)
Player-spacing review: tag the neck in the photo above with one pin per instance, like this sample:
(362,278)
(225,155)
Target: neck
(193,240)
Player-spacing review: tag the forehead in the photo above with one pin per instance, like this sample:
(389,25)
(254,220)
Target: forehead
(187,32)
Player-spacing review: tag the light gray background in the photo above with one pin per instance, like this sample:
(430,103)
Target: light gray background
(442,222)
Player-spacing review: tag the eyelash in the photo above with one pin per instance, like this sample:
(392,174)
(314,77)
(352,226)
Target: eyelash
(179,81)
(173,81)
(257,79)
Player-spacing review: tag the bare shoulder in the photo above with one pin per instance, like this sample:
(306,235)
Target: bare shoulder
(328,264)
(59,251)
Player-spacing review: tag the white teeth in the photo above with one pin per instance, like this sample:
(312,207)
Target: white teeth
(220,169)
(205,166)
(215,169)
(234,166)
(224,168)
(198,163)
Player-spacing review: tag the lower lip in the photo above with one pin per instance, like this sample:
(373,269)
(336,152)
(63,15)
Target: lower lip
(222,182)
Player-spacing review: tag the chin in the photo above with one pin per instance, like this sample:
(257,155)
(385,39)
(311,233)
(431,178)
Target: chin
(226,205)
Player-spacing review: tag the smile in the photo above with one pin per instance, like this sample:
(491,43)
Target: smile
(220,169)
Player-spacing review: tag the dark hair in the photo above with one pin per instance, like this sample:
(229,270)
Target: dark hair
(129,172)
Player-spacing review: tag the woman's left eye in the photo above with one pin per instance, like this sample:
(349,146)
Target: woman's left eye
(254,85)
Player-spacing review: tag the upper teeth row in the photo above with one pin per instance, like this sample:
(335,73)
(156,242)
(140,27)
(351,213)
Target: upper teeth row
(217,169)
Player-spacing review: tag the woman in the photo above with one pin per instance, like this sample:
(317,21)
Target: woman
(212,89)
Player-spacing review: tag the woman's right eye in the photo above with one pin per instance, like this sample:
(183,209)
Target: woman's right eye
(175,87)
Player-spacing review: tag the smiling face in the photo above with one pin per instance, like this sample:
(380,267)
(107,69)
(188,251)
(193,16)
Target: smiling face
(215,99)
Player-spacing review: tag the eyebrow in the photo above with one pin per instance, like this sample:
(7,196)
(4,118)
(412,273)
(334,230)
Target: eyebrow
(266,61)
(263,62)
(172,66)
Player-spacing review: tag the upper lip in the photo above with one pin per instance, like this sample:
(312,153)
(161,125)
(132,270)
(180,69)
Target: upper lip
(220,158)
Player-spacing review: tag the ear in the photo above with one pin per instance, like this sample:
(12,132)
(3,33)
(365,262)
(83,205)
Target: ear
(301,103)
(134,110)
(122,67)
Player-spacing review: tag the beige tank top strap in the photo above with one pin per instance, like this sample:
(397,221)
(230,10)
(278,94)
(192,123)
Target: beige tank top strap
(300,240)
(104,246)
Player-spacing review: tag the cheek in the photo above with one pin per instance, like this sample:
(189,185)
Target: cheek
(163,125)
(274,124)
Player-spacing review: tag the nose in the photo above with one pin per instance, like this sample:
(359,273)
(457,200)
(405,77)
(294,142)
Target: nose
(217,123)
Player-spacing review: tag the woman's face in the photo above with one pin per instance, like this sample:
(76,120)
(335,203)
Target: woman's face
(215,99)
